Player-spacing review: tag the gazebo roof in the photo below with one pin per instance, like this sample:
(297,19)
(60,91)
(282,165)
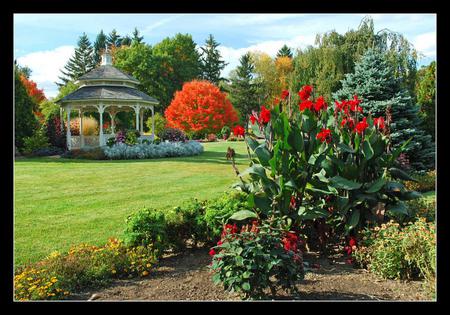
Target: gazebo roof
(108,93)
(107,72)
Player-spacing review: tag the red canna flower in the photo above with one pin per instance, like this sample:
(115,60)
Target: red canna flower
(306,105)
(379,123)
(320,104)
(352,241)
(264,116)
(239,131)
(276,100)
(361,126)
(284,94)
(253,119)
(212,252)
(324,135)
(305,92)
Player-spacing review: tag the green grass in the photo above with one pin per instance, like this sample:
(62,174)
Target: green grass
(63,202)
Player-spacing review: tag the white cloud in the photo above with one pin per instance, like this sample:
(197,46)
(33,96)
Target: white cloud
(46,65)
(426,44)
(232,55)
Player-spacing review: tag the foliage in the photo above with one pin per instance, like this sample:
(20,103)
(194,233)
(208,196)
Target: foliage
(24,121)
(36,94)
(48,151)
(131,137)
(113,39)
(200,107)
(38,140)
(421,208)
(396,252)
(99,46)
(322,157)
(426,96)
(423,182)
(120,151)
(211,62)
(85,154)
(243,89)
(160,123)
(82,266)
(225,130)
(258,257)
(136,38)
(266,78)
(81,62)
(172,135)
(48,108)
(375,84)
(284,51)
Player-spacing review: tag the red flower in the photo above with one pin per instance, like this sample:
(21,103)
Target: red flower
(324,135)
(239,131)
(253,119)
(219,243)
(352,241)
(212,252)
(320,104)
(361,126)
(348,121)
(264,116)
(306,105)
(379,123)
(284,94)
(276,100)
(305,92)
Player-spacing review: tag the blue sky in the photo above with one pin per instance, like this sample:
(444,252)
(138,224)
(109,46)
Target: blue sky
(44,42)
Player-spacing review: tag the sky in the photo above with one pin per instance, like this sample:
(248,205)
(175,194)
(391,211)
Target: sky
(45,42)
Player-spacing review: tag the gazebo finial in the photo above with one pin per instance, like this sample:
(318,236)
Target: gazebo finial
(106,57)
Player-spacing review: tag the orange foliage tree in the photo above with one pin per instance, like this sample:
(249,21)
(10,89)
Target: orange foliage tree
(36,94)
(200,107)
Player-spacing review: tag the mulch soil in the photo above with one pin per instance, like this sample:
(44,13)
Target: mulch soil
(186,277)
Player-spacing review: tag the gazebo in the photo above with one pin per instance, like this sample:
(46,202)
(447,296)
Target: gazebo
(105,89)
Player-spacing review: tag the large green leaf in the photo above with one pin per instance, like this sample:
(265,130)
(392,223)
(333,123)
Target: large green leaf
(398,207)
(394,187)
(410,195)
(252,143)
(376,185)
(367,149)
(263,154)
(345,148)
(311,214)
(296,139)
(343,183)
(354,219)
(398,173)
(255,169)
(242,215)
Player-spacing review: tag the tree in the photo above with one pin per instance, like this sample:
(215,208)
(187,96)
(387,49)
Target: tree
(36,94)
(125,41)
(25,122)
(81,62)
(375,83)
(200,107)
(243,88)
(284,51)
(99,46)
(114,39)
(211,62)
(284,67)
(136,38)
(426,96)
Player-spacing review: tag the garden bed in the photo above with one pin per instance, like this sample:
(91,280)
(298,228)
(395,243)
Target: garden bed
(186,277)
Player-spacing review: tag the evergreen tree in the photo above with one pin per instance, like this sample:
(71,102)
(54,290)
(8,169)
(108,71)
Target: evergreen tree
(99,46)
(243,89)
(136,38)
(114,39)
(426,96)
(125,41)
(81,62)
(284,51)
(24,120)
(374,82)
(211,63)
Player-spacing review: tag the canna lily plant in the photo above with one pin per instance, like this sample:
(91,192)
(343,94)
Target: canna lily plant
(321,161)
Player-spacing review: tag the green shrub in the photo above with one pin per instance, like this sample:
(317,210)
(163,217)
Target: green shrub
(420,208)
(193,214)
(131,137)
(147,227)
(81,267)
(160,123)
(38,140)
(396,252)
(218,211)
(86,154)
(426,182)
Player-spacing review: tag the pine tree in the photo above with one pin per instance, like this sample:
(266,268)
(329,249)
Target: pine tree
(114,39)
(125,41)
(81,62)
(374,82)
(136,38)
(99,46)
(284,51)
(243,89)
(211,63)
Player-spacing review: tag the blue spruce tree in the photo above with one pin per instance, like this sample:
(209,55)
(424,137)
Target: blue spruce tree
(375,84)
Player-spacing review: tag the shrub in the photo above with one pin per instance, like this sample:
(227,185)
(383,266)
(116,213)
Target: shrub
(396,252)
(147,227)
(425,182)
(56,136)
(149,151)
(194,223)
(420,208)
(48,151)
(200,106)
(257,258)
(131,137)
(226,131)
(217,211)
(160,123)
(172,135)
(212,137)
(37,141)
(82,266)
(24,120)
(85,153)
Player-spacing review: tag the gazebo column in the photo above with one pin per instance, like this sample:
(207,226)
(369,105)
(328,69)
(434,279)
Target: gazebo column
(68,135)
(61,119)
(153,121)
(112,115)
(136,110)
(142,122)
(80,113)
(101,110)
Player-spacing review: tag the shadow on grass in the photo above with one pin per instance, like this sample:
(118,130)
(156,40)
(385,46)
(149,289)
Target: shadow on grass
(205,157)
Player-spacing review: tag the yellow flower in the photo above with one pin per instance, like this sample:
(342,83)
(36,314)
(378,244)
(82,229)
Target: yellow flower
(53,280)
(148,265)
(145,273)
(114,271)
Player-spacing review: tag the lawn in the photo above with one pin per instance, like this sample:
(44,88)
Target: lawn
(62,202)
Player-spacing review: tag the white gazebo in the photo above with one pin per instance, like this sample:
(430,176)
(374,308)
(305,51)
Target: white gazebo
(107,90)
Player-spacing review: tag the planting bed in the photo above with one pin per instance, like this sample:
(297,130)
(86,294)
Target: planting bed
(186,277)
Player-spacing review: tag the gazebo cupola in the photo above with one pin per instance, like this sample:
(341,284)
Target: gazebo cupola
(108,90)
